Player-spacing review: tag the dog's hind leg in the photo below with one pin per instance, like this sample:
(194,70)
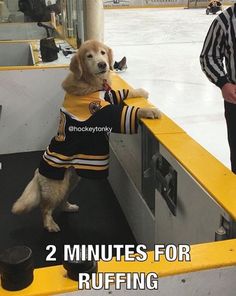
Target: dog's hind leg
(53,194)
(66,206)
(50,200)
(48,221)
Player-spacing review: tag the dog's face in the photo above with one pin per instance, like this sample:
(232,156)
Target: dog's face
(92,59)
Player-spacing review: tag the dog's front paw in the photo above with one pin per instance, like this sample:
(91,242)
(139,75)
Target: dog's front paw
(139,92)
(149,113)
(142,93)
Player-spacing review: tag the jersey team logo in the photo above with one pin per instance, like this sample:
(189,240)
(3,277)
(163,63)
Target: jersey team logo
(94,107)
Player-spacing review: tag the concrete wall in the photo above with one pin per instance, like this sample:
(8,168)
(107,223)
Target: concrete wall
(30,101)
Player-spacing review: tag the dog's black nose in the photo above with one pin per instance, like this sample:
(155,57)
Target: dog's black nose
(102,65)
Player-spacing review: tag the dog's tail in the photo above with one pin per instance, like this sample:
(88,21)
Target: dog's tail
(30,198)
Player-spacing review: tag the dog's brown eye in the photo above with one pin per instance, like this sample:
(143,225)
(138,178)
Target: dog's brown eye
(103,52)
(89,56)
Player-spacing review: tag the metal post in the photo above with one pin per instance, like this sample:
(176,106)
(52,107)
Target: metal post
(93,20)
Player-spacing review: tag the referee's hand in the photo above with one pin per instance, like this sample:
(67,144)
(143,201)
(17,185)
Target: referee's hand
(229,92)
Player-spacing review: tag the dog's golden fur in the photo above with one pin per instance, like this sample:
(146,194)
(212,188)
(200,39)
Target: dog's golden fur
(90,67)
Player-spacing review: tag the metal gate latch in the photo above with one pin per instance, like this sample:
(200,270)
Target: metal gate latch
(166,181)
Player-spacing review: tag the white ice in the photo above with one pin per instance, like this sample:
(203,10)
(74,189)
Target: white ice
(162,47)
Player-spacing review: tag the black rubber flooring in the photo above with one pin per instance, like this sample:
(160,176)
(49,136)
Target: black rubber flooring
(99,221)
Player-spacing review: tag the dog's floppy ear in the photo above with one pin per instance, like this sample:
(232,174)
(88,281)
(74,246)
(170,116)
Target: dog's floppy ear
(110,57)
(75,66)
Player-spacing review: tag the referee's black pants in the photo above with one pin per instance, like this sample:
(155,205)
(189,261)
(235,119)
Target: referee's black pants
(230,116)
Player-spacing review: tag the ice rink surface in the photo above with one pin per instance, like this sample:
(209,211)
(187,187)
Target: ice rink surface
(162,47)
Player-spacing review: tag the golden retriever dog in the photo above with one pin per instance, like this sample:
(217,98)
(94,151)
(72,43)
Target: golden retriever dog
(89,104)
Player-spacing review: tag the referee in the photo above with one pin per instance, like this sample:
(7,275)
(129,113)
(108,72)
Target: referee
(218,62)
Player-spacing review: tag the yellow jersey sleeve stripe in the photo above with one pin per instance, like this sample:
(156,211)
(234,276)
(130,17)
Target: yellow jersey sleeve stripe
(123,116)
(84,156)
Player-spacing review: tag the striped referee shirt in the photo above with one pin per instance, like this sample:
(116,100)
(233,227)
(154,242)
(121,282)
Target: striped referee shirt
(82,138)
(218,56)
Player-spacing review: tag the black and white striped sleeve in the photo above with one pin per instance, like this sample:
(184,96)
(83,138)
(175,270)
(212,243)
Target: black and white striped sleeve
(212,55)
(121,119)
(116,97)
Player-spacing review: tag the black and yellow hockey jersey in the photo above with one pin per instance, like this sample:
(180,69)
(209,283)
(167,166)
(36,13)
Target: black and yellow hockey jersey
(82,138)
